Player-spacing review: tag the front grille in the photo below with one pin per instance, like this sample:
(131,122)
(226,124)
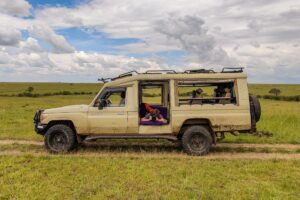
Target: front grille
(37,116)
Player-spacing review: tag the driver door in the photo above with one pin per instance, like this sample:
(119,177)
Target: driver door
(111,118)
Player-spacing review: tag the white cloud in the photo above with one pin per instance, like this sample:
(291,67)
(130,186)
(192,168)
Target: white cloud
(58,42)
(189,32)
(15,7)
(9,36)
(261,35)
(45,64)
(30,45)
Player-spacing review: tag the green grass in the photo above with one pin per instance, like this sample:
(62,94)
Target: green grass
(286,89)
(42,88)
(142,148)
(16,88)
(143,177)
(65,177)
(16,113)
(279,117)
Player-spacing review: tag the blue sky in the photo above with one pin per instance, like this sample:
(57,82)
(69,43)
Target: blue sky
(79,40)
(41,3)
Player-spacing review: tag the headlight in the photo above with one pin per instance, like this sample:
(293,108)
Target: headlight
(43,117)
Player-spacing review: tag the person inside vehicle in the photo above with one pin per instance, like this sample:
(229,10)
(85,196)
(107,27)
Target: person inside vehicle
(122,100)
(217,93)
(196,94)
(154,115)
(227,95)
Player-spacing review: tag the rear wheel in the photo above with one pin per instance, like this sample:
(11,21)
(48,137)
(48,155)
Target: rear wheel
(60,138)
(196,140)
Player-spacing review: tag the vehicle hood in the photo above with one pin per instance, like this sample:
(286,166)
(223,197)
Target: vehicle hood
(68,109)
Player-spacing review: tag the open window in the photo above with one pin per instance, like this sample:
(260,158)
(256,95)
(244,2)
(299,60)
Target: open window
(206,92)
(111,97)
(154,95)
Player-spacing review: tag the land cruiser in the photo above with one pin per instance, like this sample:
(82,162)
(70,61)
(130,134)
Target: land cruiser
(194,107)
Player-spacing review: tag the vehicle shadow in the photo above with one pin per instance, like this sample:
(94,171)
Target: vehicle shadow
(146,146)
(124,146)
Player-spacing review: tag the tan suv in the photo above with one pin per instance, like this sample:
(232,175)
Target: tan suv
(195,107)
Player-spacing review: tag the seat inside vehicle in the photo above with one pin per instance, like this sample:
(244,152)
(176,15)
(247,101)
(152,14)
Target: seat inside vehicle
(163,111)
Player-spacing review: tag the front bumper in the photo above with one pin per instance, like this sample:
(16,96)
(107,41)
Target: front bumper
(38,127)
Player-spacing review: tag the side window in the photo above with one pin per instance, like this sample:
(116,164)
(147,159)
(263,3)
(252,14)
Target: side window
(113,97)
(152,94)
(195,92)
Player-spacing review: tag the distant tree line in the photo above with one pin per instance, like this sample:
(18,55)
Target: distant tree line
(275,95)
(281,98)
(29,93)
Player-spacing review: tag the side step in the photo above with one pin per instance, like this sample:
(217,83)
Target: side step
(132,136)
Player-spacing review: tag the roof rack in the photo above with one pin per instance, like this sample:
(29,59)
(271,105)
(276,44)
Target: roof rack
(197,71)
(104,80)
(161,71)
(130,73)
(232,70)
(192,71)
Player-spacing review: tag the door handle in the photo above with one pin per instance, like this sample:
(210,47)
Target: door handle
(120,113)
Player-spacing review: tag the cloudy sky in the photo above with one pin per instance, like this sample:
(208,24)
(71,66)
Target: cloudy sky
(79,41)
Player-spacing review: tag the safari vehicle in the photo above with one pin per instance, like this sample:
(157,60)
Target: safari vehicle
(197,106)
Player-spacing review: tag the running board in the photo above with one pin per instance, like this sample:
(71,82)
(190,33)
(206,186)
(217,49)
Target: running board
(139,136)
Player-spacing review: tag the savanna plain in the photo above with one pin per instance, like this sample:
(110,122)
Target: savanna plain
(145,169)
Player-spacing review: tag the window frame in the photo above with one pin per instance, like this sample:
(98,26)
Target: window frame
(112,90)
(207,82)
(161,83)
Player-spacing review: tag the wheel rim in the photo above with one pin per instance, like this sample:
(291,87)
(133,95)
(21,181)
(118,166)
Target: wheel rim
(198,142)
(58,141)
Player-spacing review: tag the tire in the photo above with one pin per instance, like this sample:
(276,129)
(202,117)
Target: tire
(256,107)
(196,140)
(60,138)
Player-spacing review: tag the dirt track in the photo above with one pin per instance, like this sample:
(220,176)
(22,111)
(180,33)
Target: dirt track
(229,145)
(259,156)
(218,151)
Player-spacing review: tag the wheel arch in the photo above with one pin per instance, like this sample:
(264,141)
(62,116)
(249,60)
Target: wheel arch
(197,121)
(68,123)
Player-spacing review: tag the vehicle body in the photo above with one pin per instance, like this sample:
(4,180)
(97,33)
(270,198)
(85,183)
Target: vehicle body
(171,95)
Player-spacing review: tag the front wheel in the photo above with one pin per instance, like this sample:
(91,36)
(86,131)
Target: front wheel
(196,140)
(60,138)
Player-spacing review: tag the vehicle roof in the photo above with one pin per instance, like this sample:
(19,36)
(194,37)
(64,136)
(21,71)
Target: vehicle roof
(181,76)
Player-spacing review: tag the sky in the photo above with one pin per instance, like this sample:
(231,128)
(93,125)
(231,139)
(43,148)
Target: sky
(82,40)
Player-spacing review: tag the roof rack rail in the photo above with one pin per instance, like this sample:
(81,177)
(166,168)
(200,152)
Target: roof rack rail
(104,80)
(197,71)
(161,71)
(232,69)
(130,73)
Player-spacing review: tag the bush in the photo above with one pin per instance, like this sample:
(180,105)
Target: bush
(150,95)
(30,89)
(46,94)
(66,93)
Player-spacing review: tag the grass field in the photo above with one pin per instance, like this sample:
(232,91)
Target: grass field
(16,88)
(67,177)
(144,169)
(42,88)
(279,117)
(286,89)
